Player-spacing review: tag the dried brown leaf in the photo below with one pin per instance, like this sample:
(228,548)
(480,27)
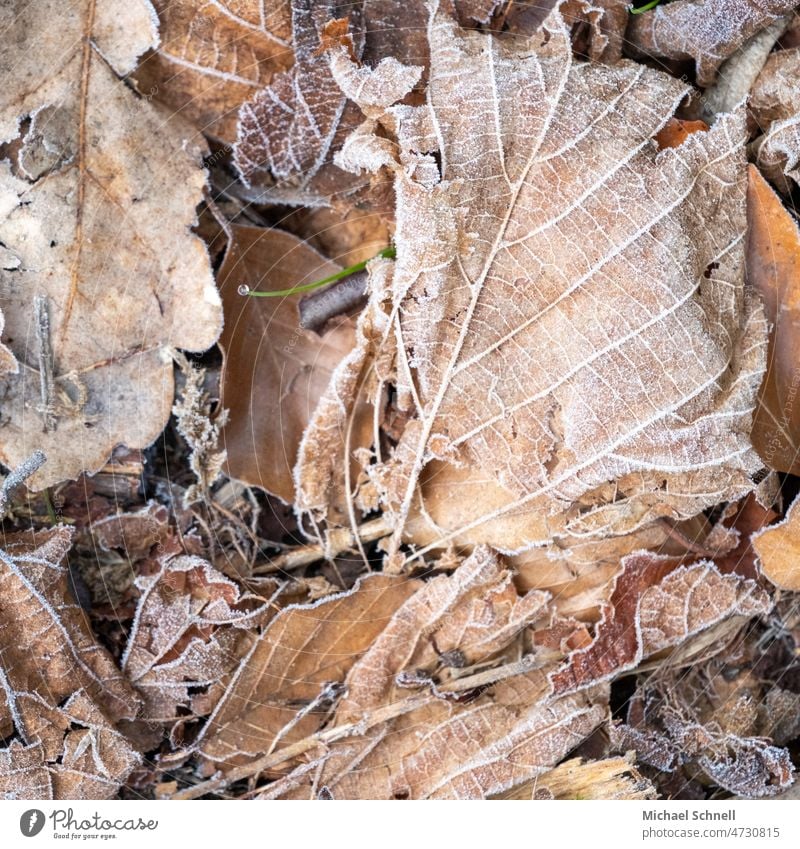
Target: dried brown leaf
(707,31)
(61,693)
(279,691)
(287,130)
(469,749)
(191,629)
(274,372)
(778,548)
(97,207)
(773,268)
(657,604)
(643,406)
(211,57)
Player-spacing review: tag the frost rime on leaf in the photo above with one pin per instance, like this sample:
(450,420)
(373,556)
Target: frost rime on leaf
(540,354)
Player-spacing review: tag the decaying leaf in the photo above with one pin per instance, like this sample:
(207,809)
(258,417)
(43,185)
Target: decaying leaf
(96,206)
(213,56)
(274,373)
(61,693)
(671,726)
(773,268)
(778,550)
(192,627)
(657,604)
(391,650)
(287,130)
(707,31)
(595,397)
(282,689)
(775,105)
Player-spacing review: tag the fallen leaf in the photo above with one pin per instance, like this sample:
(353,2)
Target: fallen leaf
(274,372)
(773,268)
(707,31)
(61,692)
(287,130)
(668,732)
(778,547)
(657,604)
(774,103)
(212,57)
(645,409)
(423,633)
(191,628)
(278,693)
(97,207)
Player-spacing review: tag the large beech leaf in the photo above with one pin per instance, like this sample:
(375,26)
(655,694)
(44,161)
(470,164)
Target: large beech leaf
(96,202)
(568,303)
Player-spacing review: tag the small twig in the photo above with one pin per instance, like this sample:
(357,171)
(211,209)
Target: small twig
(343,296)
(338,540)
(19,475)
(46,366)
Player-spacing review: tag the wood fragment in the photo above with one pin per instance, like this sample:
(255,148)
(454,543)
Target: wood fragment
(610,778)
(317,308)
(42,315)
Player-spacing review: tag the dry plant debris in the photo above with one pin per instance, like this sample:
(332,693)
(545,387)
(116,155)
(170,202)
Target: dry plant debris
(512,512)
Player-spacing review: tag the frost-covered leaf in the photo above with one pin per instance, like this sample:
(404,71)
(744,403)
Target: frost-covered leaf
(60,692)
(389,653)
(213,56)
(775,104)
(672,723)
(707,31)
(528,344)
(274,372)
(287,129)
(778,549)
(281,691)
(390,645)
(191,629)
(657,604)
(97,201)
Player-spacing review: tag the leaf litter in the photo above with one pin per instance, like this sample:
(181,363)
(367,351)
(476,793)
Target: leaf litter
(519,526)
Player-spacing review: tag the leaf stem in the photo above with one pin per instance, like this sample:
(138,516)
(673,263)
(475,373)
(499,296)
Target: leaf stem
(646,8)
(386,253)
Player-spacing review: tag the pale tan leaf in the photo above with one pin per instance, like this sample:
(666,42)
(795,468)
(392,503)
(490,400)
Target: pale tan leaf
(775,105)
(707,31)
(97,205)
(279,693)
(778,548)
(191,629)
(213,56)
(472,749)
(596,398)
